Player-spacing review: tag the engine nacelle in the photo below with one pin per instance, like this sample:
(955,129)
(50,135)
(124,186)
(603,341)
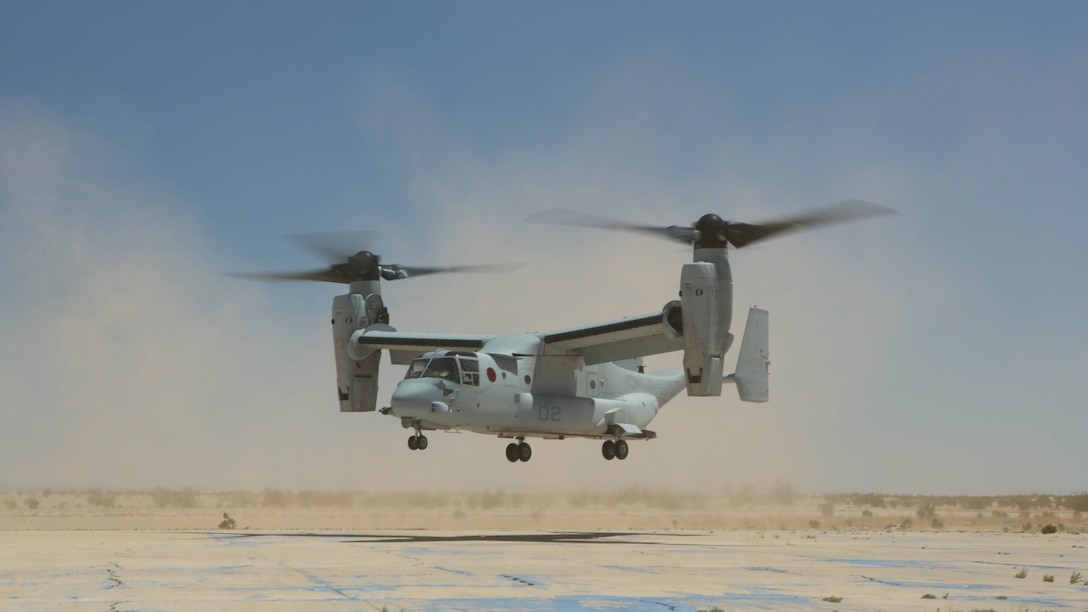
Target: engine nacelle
(356,379)
(705,311)
(672,320)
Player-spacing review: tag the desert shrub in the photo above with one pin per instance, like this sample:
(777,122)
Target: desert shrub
(1027,526)
(937,523)
(1023,573)
(578,499)
(103,499)
(783,492)
(31,503)
(876,500)
(1048,578)
(1050,528)
(276,499)
(866,514)
(227,522)
(236,499)
(813,523)
(1078,502)
(833,599)
(926,511)
(929,596)
(977,503)
(742,495)
(324,499)
(1023,502)
(1075,577)
(166,498)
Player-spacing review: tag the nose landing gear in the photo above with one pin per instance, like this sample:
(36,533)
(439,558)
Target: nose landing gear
(418,441)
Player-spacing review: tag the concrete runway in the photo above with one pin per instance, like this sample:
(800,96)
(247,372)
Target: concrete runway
(432,570)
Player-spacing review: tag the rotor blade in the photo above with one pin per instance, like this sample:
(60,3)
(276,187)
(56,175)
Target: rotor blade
(573,218)
(335,247)
(328,275)
(743,234)
(398,272)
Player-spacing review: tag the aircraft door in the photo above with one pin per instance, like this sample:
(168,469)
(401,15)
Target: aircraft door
(468,394)
(498,393)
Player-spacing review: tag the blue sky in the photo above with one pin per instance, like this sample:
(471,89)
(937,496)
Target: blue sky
(146,147)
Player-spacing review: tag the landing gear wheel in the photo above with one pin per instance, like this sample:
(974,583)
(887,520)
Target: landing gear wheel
(525,452)
(621,449)
(608,449)
(512,453)
(421,442)
(413,443)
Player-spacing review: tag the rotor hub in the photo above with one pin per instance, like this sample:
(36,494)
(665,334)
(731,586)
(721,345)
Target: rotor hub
(363,266)
(710,232)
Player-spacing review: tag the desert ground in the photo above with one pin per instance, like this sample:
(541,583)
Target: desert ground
(636,549)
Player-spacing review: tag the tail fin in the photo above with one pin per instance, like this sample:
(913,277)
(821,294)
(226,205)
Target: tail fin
(754,359)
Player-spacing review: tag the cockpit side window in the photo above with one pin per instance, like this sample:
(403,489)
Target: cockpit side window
(416,369)
(470,371)
(442,367)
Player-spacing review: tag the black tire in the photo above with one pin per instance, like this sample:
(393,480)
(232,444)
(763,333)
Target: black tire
(621,449)
(422,442)
(525,452)
(512,453)
(412,443)
(608,449)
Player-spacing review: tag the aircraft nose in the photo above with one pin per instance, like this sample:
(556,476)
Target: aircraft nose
(415,397)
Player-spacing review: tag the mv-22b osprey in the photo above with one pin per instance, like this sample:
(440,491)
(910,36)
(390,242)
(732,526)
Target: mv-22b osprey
(583,382)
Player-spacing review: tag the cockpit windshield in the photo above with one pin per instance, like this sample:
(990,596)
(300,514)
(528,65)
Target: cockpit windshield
(439,367)
(447,368)
(416,369)
(443,367)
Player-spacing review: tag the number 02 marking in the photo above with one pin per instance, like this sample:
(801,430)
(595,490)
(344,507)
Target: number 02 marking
(548,413)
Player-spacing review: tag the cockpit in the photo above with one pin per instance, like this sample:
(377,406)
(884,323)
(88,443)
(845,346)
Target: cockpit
(457,367)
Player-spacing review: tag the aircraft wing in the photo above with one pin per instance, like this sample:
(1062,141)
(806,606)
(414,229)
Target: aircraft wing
(625,338)
(616,340)
(405,346)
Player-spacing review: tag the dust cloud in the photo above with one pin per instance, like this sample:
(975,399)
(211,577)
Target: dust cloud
(128,361)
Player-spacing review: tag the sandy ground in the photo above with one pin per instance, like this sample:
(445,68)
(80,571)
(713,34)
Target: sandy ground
(536,570)
(637,550)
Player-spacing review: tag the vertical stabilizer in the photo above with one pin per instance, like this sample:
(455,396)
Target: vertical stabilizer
(754,360)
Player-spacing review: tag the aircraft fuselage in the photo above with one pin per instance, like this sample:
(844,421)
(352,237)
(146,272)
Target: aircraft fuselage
(529,396)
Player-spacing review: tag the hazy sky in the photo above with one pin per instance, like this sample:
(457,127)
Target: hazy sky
(147,147)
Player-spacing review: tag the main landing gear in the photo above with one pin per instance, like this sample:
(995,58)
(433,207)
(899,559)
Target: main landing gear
(616,449)
(518,451)
(418,441)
